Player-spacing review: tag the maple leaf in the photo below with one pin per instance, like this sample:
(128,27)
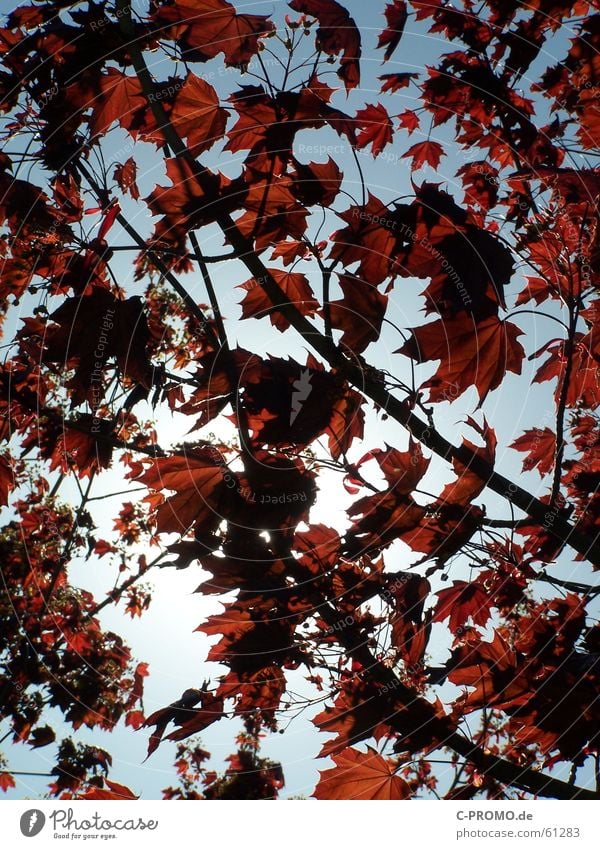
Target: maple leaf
(29,16)
(317,183)
(396,15)
(42,736)
(589,120)
(125,175)
(82,447)
(583,385)
(346,423)
(429,152)
(89,330)
(480,180)
(361,775)
(468,484)
(111,792)
(540,446)
(197,116)
(369,238)
(536,290)
(470,354)
(493,670)
(359,313)
(290,251)
(199,718)
(135,719)
(337,33)
(381,519)
(320,547)
(354,717)
(394,82)
(262,688)
(267,125)
(7,478)
(247,637)
(444,529)
(461,601)
(376,128)
(120,97)
(103,547)
(330,407)
(409,120)
(402,469)
(6,782)
(272,212)
(196,476)
(205,28)
(178,712)
(293,284)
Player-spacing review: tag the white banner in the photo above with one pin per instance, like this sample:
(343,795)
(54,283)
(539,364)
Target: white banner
(299,824)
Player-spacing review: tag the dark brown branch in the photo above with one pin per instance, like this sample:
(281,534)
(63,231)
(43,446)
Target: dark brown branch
(395,693)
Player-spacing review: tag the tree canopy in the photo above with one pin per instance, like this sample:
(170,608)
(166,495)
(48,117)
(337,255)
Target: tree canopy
(341,459)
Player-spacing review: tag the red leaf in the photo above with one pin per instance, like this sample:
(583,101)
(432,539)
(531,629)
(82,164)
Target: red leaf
(125,176)
(429,152)
(368,238)
(409,120)
(359,313)
(89,330)
(480,180)
(469,485)
(540,446)
(197,116)
(178,712)
(290,251)
(470,354)
(197,479)
(493,670)
(7,480)
(272,212)
(199,718)
(296,288)
(536,290)
(396,15)
(6,781)
(337,33)
(361,775)
(318,183)
(354,717)
(42,737)
(402,469)
(377,129)
(206,28)
(103,547)
(394,82)
(583,384)
(114,793)
(589,119)
(461,601)
(135,719)
(120,97)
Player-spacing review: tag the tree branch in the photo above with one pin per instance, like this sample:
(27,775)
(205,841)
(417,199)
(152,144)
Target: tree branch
(394,691)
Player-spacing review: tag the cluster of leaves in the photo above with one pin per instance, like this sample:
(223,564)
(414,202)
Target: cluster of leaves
(298,594)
